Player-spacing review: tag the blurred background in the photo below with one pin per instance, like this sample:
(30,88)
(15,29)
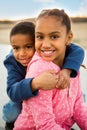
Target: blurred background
(12,12)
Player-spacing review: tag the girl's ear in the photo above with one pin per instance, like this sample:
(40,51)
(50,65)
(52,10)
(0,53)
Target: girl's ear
(69,38)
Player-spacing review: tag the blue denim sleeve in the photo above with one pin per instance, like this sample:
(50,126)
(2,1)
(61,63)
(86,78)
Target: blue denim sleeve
(20,91)
(74,58)
(18,88)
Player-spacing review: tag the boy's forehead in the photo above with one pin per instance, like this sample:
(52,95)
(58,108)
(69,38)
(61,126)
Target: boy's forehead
(21,39)
(20,36)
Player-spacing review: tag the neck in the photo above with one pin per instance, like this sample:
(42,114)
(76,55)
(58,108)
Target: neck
(59,61)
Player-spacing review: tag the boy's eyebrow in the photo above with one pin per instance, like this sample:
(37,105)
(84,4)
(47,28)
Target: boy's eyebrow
(28,43)
(14,45)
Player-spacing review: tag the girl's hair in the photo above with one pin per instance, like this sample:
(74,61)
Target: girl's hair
(24,28)
(59,15)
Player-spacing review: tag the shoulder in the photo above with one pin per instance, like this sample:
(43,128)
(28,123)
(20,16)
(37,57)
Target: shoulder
(10,60)
(37,63)
(75,47)
(9,57)
(12,65)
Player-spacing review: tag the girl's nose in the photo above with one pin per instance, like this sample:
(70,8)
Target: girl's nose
(46,44)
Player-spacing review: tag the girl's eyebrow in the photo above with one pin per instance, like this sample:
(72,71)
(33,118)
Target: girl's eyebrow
(49,33)
(38,32)
(55,32)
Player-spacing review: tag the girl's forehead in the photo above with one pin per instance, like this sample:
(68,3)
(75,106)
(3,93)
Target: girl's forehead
(45,19)
(48,22)
(50,17)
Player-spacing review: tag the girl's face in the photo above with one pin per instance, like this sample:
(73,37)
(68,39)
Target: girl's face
(23,48)
(51,39)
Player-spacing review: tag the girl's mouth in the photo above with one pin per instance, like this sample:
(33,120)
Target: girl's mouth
(47,52)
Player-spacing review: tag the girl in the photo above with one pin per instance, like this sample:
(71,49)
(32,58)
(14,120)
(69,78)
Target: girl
(53,109)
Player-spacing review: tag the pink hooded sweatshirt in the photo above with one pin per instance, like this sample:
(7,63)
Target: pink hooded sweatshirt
(53,109)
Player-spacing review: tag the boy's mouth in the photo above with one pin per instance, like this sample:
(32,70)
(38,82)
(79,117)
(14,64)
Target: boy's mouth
(25,61)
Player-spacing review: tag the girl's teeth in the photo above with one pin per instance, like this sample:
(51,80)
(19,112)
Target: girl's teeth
(48,52)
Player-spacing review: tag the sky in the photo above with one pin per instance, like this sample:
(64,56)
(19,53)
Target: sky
(18,9)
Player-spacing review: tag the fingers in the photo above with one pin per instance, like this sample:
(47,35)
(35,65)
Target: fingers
(62,79)
(63,83)
(52,71)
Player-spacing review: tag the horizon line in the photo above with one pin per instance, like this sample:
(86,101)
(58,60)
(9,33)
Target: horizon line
(10,19)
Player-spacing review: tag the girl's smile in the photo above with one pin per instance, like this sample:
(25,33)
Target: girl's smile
(47,53)
(51,39)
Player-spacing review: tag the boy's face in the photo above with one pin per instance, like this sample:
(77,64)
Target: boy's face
(51,39)
(23,48)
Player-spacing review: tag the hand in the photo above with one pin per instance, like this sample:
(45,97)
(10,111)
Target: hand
(63,79)
(46,81)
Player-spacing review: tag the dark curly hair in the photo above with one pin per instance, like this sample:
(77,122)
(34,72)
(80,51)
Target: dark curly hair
(59,15)
(24,28)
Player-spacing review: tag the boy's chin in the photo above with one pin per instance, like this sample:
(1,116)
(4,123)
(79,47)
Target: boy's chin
(25,65)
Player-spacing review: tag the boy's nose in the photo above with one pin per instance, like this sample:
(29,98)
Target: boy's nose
(22,52)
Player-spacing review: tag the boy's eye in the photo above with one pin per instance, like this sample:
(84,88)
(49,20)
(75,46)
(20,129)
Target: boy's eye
(29,46)
(15,48)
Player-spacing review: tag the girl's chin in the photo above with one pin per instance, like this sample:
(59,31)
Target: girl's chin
(47,58)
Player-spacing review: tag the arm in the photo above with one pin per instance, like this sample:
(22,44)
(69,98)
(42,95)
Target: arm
(73,59)
(18,88)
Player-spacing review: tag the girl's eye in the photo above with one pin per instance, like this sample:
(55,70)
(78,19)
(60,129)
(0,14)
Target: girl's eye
(54,37)
(39,37)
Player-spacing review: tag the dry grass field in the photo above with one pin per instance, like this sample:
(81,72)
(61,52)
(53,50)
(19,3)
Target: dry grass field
(79,30)
(80,33)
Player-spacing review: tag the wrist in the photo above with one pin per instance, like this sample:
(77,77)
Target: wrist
(34,85)
(69,71)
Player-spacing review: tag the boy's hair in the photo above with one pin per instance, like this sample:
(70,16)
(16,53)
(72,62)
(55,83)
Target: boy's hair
(24,28)
(59,15)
